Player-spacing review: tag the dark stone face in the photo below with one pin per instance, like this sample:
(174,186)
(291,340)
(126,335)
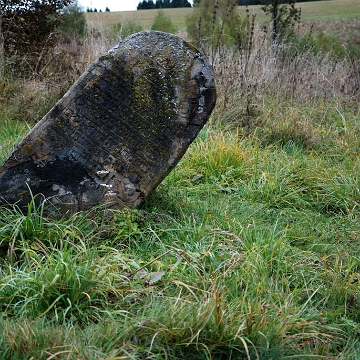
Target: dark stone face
(118,131)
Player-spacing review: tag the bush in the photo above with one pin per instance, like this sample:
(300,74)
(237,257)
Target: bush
(74,21)
(213,24)
(163,23)
(28,31)
(321,42)
(120,31)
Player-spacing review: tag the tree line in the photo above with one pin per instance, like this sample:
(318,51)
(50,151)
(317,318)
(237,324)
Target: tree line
(95,10)
(162,4)
(261,2)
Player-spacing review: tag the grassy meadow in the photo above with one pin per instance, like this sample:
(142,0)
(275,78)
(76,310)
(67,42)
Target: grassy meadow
(313,10)
(249,249)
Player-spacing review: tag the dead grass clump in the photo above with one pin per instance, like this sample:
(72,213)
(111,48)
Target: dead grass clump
(345,31)
(255,90)
(73,55)
(283,71)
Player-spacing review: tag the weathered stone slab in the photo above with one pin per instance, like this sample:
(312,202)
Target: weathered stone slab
(118,131)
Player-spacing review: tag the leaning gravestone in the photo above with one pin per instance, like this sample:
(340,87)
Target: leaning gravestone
(118,131)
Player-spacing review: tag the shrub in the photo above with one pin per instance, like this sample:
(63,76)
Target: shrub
(163,23)
(28,30)
(213,24)
(74,21)
(131,27)
(320,42)
(124,30)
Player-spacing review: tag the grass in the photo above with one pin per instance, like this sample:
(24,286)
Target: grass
(250,254)
(319,10)
(314,10)
(324,19)
(249,249)
(144,17)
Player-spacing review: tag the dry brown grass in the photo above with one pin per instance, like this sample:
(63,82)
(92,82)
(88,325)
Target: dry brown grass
(346,30)
(280,93)
(282,70)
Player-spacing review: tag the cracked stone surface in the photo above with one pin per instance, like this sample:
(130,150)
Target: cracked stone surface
(118,131)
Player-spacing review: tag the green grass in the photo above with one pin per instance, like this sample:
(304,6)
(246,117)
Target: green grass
(249,249)
(243,252)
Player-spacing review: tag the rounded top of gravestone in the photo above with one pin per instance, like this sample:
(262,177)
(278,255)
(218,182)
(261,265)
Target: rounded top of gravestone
(119,130)
(179,66)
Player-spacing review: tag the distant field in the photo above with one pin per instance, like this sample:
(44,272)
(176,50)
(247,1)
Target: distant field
(144,17)
(317,10)
(329,9)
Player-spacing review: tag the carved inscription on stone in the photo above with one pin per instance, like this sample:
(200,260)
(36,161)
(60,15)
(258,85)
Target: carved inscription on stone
(118,131)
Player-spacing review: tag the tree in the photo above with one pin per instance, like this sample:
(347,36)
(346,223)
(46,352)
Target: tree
(162,4)
(163,23)
(74,21)
(28,28)
(179,3)
(145,5)
(283,13)
(107,9)
(248,2)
